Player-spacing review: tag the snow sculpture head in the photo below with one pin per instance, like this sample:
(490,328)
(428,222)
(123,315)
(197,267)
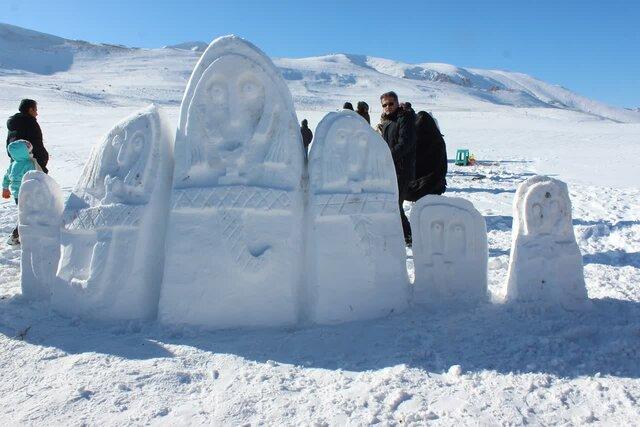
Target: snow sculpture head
(449,233)
(349,156)
(122,167)
(546,209)
(237,123)
(40,200)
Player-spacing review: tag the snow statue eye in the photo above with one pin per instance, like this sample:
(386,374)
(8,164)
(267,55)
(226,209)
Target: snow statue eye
(137,142)
(343,136)
(437,237)
(217,91)
(249,89)
(117,140)
(537,211)
(127,153)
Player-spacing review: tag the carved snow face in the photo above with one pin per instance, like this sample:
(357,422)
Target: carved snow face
(39,204)
(546,210)
(126,148)
(122,167)
(446,232)
(347,145)
(229,104)
(352,157)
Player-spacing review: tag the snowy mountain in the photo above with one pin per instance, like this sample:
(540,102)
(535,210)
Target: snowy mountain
(316,82)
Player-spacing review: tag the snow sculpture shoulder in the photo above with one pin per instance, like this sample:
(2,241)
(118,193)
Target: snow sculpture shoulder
(114,221)
(356,266)
(40,215)
(450,250)
(235,230)
(546,264)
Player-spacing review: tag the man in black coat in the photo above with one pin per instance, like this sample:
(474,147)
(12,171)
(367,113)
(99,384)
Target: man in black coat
(24,125)
(397,127)
(431,159)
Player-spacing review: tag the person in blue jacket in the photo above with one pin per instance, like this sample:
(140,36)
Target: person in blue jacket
(23,162)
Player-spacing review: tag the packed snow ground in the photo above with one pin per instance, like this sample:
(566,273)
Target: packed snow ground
(491,364)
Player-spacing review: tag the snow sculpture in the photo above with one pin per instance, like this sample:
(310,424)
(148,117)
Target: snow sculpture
(450,252)
(235,228)
(40,214)
(546,264)
(113,224)
(356,266)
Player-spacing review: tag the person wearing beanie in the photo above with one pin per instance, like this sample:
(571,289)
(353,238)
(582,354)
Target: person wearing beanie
(347,106)
(363,110)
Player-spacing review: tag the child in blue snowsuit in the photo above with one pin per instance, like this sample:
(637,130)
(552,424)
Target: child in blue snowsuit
(22,163)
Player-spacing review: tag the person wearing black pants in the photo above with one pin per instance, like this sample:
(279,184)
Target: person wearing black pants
(397,127)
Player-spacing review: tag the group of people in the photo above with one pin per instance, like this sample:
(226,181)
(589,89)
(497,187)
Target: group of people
(417,147)
(26,152)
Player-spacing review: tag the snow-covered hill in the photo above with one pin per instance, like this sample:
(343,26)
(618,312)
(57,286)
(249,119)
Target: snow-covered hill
(316,82)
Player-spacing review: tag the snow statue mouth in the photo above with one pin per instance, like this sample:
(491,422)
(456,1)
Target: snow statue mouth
(231,146)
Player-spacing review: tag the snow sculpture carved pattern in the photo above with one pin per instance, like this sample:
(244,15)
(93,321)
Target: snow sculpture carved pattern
(357,256)
(546,264)
(40,215)
(113,222)
(235,227)
(450,251)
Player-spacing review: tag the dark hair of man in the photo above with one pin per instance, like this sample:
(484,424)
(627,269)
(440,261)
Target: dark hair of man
(26,104)
(390,94)
(305,122)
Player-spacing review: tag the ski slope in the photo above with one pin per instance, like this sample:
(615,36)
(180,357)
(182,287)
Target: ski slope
(445,365)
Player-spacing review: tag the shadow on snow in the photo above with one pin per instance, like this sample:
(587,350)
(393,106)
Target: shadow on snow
(500,337)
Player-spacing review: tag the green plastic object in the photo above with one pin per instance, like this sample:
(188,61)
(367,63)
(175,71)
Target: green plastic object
(462,157)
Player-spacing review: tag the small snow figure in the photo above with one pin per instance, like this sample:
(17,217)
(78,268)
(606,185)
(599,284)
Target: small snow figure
(357,257)
(546,264)
(450,250)
(113,224)
(40,215)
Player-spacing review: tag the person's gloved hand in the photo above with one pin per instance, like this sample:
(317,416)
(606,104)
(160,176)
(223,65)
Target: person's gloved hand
(6,193)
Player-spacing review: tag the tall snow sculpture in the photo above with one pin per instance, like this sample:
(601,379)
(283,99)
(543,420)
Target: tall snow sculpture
(40,215)
(234,242)
(356,266)
(114,224)
(450,252)
(546,264)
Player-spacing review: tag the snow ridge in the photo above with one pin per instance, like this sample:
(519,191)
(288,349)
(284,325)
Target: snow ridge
(313,81)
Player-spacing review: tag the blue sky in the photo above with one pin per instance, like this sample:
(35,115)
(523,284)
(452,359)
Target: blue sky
(591,47)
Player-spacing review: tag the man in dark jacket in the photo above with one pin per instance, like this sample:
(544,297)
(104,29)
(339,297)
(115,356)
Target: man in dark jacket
(307,135)
(23,125)
(431,159)
(397,127)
